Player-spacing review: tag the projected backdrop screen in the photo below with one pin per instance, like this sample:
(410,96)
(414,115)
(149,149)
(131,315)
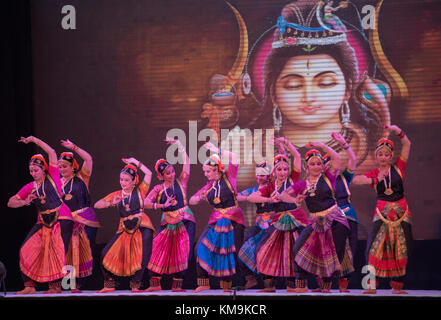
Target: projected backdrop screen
(127,72)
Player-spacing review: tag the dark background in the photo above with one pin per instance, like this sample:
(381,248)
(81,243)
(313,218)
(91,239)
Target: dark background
(134,69)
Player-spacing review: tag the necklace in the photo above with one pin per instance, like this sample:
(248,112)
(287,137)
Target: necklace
(69,195)
(311,187)
(388,190)
(174,201)
(126,205)
(43,196)
(278,186)
(217,199)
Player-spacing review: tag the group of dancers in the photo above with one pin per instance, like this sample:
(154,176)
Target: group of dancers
(285,242)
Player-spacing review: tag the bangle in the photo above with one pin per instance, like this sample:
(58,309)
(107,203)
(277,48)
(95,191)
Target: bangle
(346,146)
(154,205)
(401,134)
(139,164)
(74,147)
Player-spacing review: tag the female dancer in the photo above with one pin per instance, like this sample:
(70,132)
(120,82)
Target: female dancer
(173,246)
(390,238)
(274,253)
(128,252)
(247,254)
(322,248)
(222,238)
(75,191)
(42,255)
(343,197)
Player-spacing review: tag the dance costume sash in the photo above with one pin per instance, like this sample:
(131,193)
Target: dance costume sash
(231,213)
(289,220)
(176,216)
(86,216)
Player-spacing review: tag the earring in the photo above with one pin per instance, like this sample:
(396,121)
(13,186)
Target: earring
(345,114)
(277,118)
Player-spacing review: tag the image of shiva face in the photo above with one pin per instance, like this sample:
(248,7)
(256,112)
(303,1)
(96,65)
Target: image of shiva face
(310,90)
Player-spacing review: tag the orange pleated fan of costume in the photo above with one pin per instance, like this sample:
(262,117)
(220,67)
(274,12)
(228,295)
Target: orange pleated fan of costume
(42,257)
(125,256)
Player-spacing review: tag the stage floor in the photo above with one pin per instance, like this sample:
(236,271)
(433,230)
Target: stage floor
(220,295)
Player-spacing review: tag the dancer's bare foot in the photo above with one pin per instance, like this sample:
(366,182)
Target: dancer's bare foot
(178,290)
(106,290)
(370,291)
(398,291)
(136,290)
(297,290)
(316,290)
(26,290)
(75,290)
(201,288)
(250,283)
(153,289)
(53,291)
(326,291)
(343,290)
(266,290)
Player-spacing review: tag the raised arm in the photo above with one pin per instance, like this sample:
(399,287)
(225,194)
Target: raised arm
(297,162)
(352,159)
(405,150)
(147,173)
(183,154)
(87,158)
(335,164)
(43,145)
(232,158)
